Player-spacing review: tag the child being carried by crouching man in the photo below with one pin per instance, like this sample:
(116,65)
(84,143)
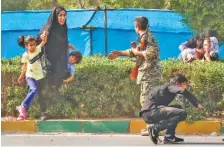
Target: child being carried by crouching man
(156,109)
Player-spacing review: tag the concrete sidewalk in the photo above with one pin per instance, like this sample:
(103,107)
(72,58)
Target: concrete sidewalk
(76,139)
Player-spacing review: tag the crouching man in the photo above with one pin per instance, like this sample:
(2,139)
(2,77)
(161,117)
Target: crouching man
(156,109)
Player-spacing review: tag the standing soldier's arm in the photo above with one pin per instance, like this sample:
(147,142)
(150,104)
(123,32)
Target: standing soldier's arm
(151,51)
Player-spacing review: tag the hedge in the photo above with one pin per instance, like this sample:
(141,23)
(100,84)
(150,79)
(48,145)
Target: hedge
(102,89)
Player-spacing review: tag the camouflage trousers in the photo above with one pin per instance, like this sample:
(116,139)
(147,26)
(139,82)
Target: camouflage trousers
(146,87)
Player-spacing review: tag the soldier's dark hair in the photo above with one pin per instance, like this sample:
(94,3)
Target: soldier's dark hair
(142,22)
(178,78)
(77,55)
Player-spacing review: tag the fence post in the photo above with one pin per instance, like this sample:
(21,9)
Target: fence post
(105,30)
(90,29)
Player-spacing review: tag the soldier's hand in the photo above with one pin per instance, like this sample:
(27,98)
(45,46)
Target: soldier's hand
(113,55)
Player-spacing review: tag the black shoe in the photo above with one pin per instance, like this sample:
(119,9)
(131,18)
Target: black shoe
(172,139)
(154,134)
(178,139)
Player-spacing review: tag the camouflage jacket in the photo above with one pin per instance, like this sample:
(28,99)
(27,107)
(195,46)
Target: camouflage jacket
(149,64)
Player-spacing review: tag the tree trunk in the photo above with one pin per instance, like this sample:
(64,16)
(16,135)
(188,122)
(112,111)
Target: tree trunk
(55,3)
(82,5)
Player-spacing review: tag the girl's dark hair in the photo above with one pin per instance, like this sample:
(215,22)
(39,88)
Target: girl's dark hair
(77,55)
(23,40)
(178,78)
(192,43)
(200,43)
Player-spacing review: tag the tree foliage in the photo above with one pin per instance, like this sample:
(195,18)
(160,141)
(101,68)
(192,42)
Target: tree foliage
(10,5)
(202,14)
(150,4)
(48,4)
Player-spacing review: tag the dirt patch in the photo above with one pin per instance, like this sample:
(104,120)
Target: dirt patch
(8,118)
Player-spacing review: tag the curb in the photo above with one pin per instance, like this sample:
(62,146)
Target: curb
(105,126)
(19,126)
(136,126)
(199,127)
(222,129)
(84,126)
(58,126)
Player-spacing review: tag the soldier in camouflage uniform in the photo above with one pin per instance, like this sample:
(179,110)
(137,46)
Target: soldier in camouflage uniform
(148,60)
(149,71)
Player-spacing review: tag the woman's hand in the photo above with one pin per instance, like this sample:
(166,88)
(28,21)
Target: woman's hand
(43,38)
(44,35)
(70,46)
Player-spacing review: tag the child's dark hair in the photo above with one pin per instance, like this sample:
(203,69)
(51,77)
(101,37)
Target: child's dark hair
(77,55)
(178,78)
(23,40)
(200,43)
(192,43)
(142,22)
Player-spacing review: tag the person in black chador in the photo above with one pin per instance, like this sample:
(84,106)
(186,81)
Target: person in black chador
(57,45)
(156,109)
(54,59)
